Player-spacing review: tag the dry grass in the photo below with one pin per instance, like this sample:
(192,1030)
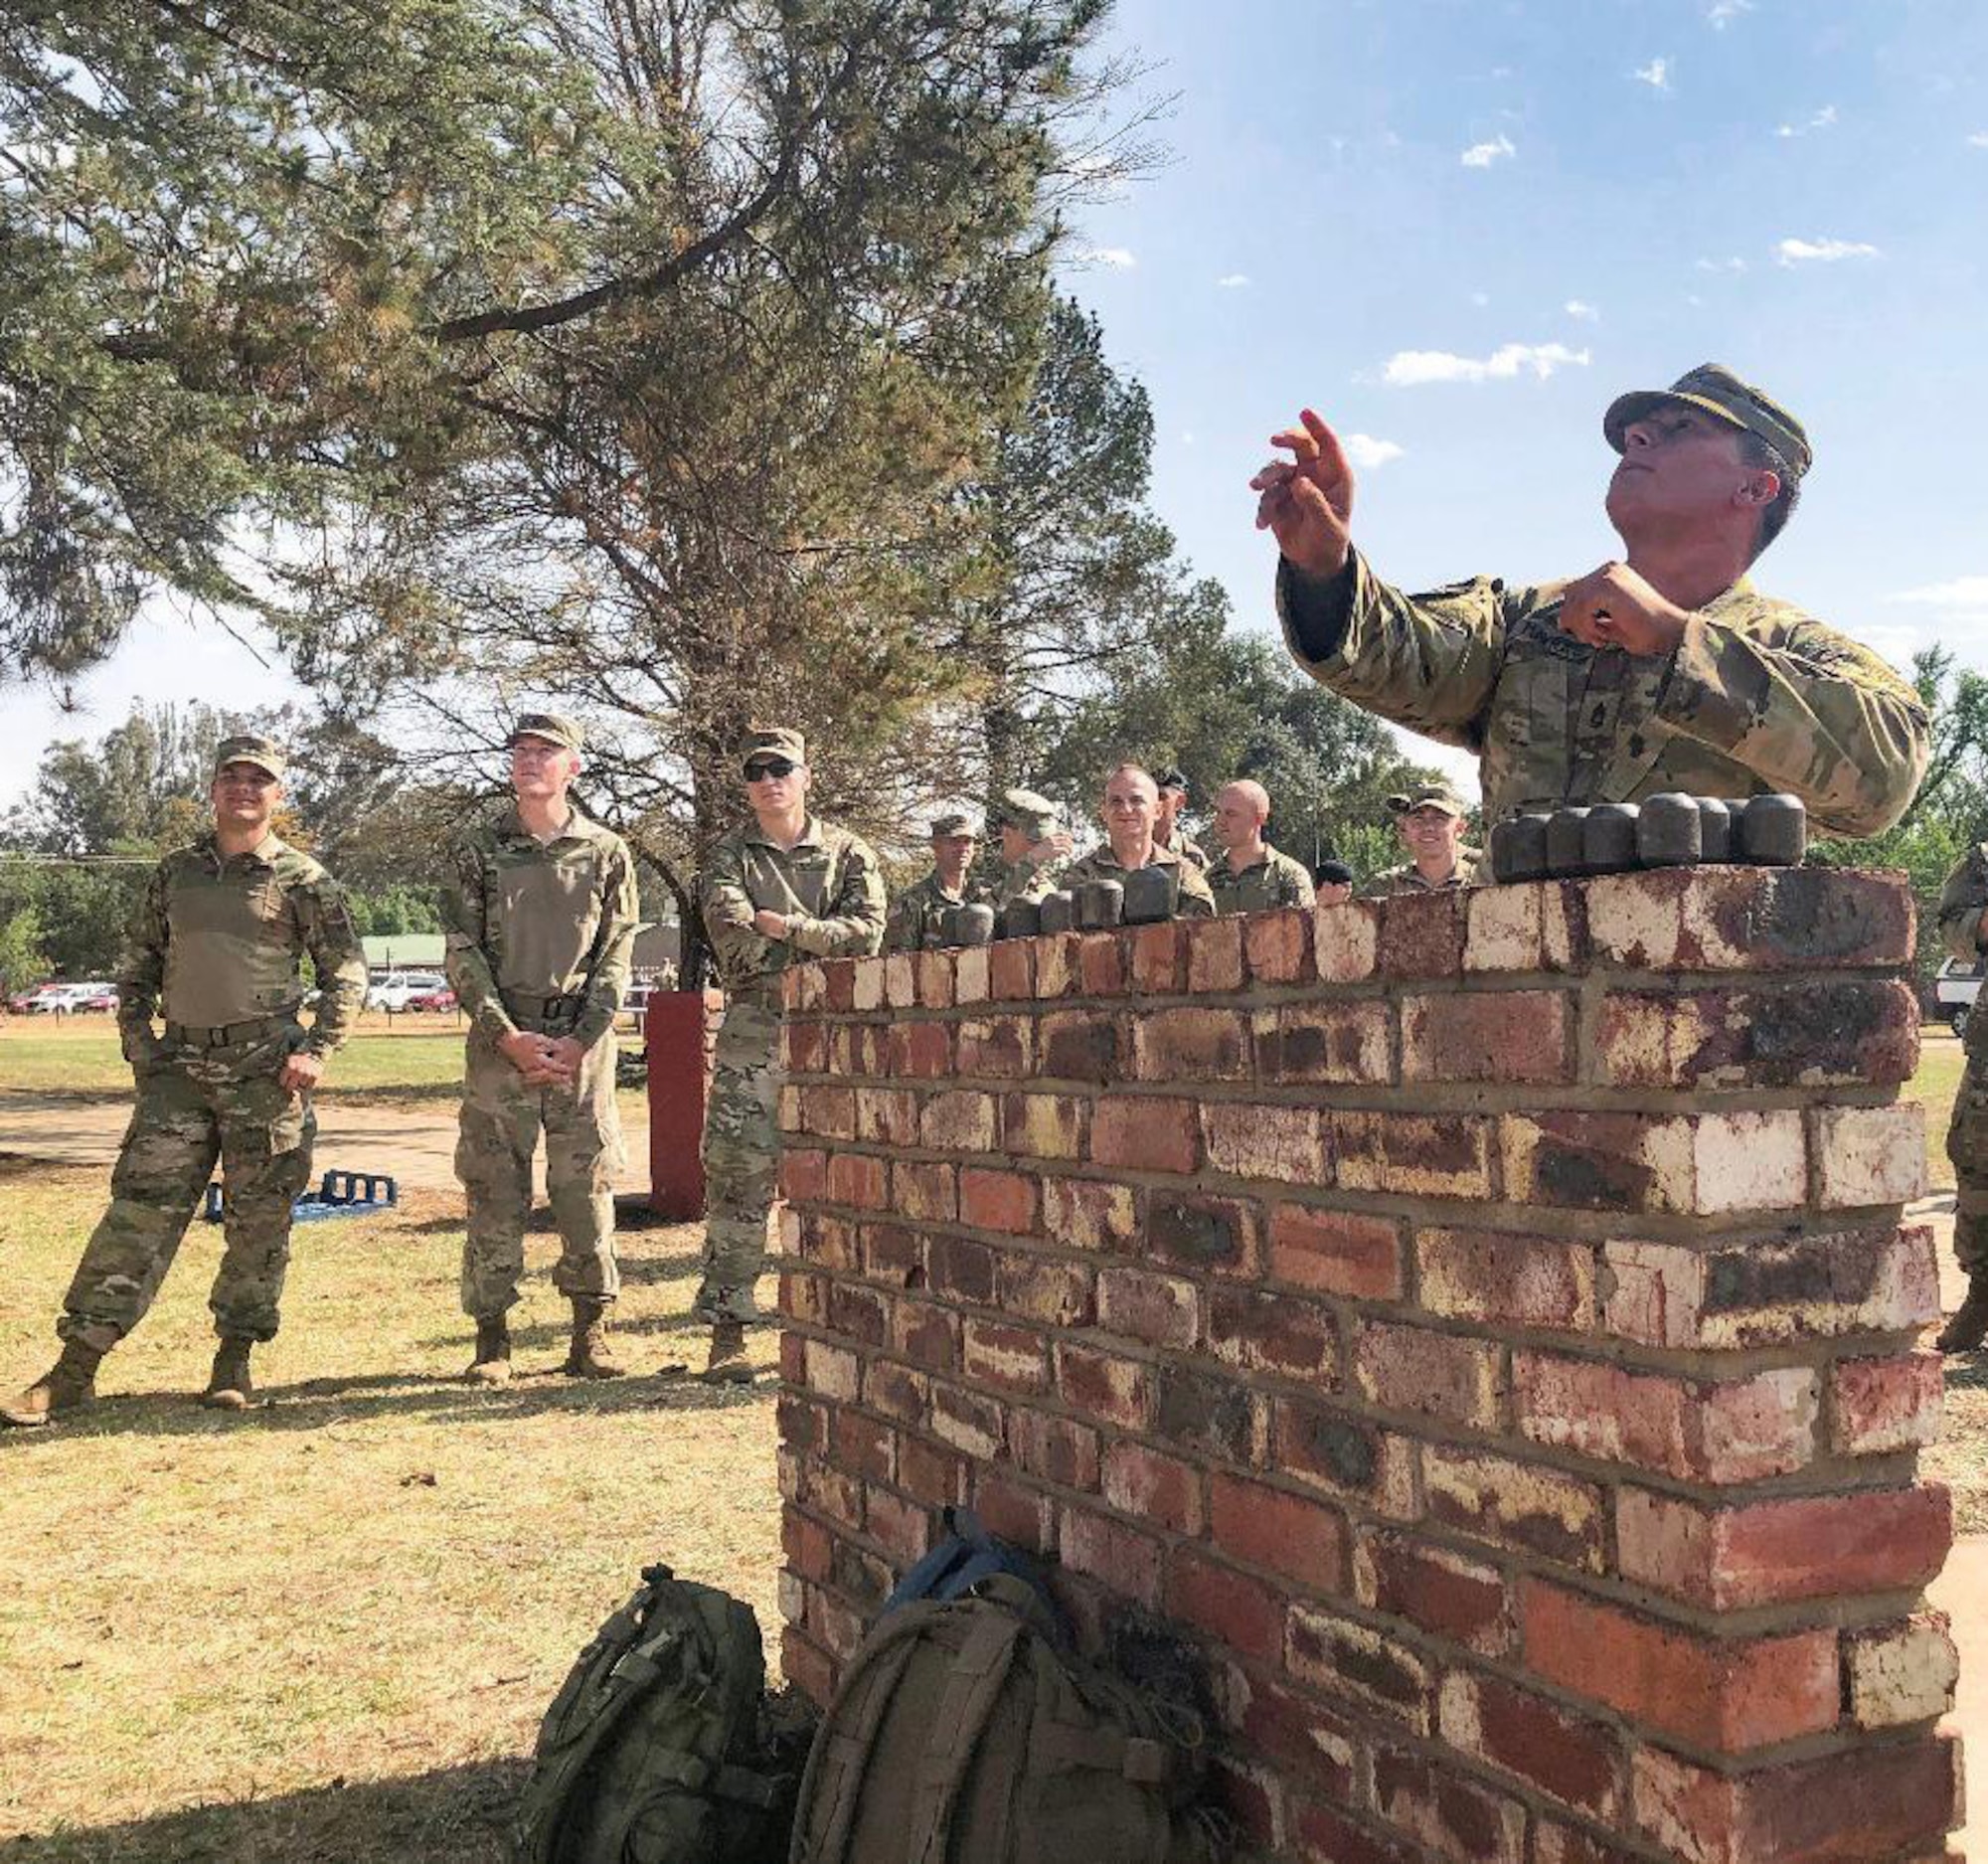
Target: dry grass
(327,1629)
(1936,1086)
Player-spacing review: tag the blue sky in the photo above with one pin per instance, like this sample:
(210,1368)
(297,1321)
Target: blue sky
(1459,229)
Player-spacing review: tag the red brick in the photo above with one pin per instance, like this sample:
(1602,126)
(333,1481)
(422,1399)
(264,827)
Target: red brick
(1735,1430)
(1145,1133)
(1502,1036)
(1336,1252)
(1157,1491)
(1434,1802)
(1903,1672)
(1771,1551)
(806,1544)
(1338,1654)
(860,1573)
(833,1492)
(1158,958)
(902,1528)
(1207,1235)
(1846,1032)
(825,1241)
(1214,954)
(1161,1310)
(997,1199)
(858,1313)
(935,1476)
(1300,1042)
(1514,1280)
(1005,1358)
(793,1358)
(961,1269)
(858,1178)
(927,1335)
(801,989)
(1875,1801)
(1577,1761)
(968,1420)
(804,1425)
(1731,1694)
(1877,1406)
(806,1666)
(1279,945)
(805,1047)
(1438,1591)
(1421,935)
(1706,1164)
(804,1299)
(1286,1143)
(1010,969)
(1045,1126)
(1869,1154)
(1324,1832)
(851,1049)
(829,1111)
(1345,941)
(1346,1453)
(1082,1044)
(1059,966)
(892,1253)
(1192,1044)
(1302,1538)
(1515,1504)
(960,1120)
(1555,1843)
(1128,1561)
(868,989)
(1055,1294)
(1237,1611)
(838,985)
(1013,1511)
(918,1051)
(1104,964)
(833,1370)
(1752,918)
(1413,1156)
(1210,1414)
(1001,1047)
(1087,1214)
(969,974)
(1438,1374)
(1104,1386)
(896,1391)
(887,1115)
(865,1447)
(924,1190)
(1505,929)
(1056,1449)
(1310,1741)
(901,980)
(1266,1331)
(803,1173)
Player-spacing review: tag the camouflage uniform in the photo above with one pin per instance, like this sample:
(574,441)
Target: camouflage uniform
(1408,877)
(1030,877)
(538,937)
(1961,904)
(215,943)
(915,913)
(830,884)
(1189,850)
(1195,899)
(1276,880)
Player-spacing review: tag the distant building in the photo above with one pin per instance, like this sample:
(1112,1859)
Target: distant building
(387,953)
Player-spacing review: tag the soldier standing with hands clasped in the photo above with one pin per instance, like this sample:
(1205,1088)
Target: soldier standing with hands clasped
(216,945)
(787,888)
(538,915)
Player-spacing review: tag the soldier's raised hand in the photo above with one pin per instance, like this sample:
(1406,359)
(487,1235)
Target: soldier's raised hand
(1306,501)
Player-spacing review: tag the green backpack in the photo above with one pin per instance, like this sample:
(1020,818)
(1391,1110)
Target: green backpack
(661,1747)
(963,1733)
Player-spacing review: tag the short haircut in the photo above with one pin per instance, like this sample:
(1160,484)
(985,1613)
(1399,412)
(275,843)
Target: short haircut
(1334,874)
(1757,453)
(1127,763)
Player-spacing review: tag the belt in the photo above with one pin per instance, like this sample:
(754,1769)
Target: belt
(521,1003)
(224,1035)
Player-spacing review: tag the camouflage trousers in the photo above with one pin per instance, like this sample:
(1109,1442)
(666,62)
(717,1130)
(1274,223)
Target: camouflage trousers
(742,1159)
(196,1107)
(501,1120)
(1968,1146)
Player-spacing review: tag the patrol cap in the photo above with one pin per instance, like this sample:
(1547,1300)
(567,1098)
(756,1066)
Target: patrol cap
(554,727)
(1719,392)
(1434,796)
(773,741)
(1025,809)
(249,748)
(953,822)
(1334,874)
(1174,778)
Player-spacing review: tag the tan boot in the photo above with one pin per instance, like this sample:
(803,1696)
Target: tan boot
(727,1364)
(228,1386)
(1968,1329)
(67,1385)
(591,1356)
(492,1364)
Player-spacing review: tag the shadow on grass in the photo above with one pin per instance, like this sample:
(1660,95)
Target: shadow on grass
(1968,1372)
(454,1815)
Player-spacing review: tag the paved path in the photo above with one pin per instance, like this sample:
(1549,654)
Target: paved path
(1962,1590)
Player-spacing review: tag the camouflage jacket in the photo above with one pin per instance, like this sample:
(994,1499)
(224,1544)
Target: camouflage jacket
(1276,880)
(828,883)
(913,921)
(1189,850)
(216,942)
(1029,879)
(524,920)
(1196,901)
(1408,877)
(1962,901)
(1758,697)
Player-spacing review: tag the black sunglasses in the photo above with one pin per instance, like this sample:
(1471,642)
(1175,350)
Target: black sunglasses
(770,767)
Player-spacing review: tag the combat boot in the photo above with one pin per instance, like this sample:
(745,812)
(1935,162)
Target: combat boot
(591,1356)
(492,1364)
(1966,1331)
(727,1364)
(67,1385)
(228,1386)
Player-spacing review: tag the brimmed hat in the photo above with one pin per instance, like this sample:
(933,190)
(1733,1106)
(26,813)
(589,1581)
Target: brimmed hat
(249,748)
(554,727)
(1022,809)
(773,741)
(1432,797)
(1720,391)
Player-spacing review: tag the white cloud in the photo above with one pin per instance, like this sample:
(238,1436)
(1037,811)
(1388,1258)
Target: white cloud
(1480,298)
(1963,591)
(1367,453)
(1232,281)
(1411,369)
(1797,252)
(1483,154)
(1734,264)
(1824,119)
(1581,309)
(1722,13)
(1979,139)
(1114,255)
(1656,73)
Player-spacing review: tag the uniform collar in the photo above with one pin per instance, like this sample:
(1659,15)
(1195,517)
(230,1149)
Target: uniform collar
(579,827)
(264,854)
(1163,856)
(811,835)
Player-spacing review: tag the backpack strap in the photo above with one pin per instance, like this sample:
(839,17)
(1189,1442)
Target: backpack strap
(978,1675)
(840,1756)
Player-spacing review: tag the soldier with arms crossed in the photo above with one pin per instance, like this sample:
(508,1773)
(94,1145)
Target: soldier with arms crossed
(1669,671)
(215,945)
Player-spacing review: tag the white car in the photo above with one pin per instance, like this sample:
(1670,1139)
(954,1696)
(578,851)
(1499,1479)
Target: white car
(393,993)
(67,998)
(1956,989)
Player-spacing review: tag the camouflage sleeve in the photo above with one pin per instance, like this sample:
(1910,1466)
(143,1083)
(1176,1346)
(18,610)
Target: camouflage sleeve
(465,956)
(1962,901)
(728,911)
(1029,879)
(1816,716)
(339,959)
(853,928)
(1430,662)
(1294,887)
(904,930)
(1197,896)
(614,944)
(141,968)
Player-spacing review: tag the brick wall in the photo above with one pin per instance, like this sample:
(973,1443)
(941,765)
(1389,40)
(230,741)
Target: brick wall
(1483,1322)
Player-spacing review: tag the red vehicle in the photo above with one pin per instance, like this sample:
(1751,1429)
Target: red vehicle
(97,1000)
(433,1000)
(26,1002)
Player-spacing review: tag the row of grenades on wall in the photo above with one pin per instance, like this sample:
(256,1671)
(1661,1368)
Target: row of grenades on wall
(1146,896)
(1670,831)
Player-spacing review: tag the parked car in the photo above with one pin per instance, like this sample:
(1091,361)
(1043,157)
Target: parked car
(1956,989)
(26,1002)
(393,993)
(442,999)
(65,999)
(96,1000)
